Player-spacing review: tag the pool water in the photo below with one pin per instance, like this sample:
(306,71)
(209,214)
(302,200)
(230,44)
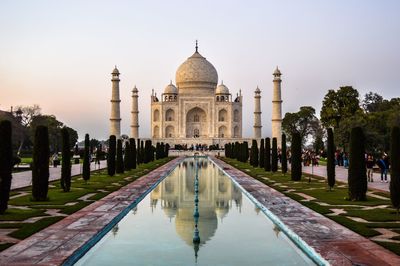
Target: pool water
(160,229)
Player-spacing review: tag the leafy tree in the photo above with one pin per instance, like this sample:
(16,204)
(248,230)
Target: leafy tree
(112,143)
(395,168)
(338,105)
(296,157)
(372,102)
(330,167)
(66,161)
(40,164)
(262,153)
(267,160)
(93,144)
(6,163)
(127,157)
(318,144)
(284,155)
(86,159)
(304,122)
(120,160)
(357,178)
(274,158)
(133,152)
(26,114)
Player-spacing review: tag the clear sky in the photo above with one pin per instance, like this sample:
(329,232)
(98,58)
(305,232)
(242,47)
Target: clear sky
(59,54)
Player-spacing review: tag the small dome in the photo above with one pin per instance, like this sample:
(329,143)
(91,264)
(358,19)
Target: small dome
(222,89)
(171,89)
(196,69)
(257,90)
(277,72)
(135,89)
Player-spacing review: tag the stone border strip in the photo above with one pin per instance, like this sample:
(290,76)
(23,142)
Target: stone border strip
(67,240)
(335,243)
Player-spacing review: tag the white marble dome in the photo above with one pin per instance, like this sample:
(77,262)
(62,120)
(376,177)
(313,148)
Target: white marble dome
(171,89)
(222,89)
(196,70)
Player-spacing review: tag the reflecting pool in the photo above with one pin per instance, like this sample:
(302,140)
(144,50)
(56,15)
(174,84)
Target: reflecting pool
(161,228)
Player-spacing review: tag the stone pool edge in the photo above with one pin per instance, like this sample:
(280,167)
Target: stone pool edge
(67,240)
(333,242)
(296,239)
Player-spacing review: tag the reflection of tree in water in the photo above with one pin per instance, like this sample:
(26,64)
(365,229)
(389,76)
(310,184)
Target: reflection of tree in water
(114,230)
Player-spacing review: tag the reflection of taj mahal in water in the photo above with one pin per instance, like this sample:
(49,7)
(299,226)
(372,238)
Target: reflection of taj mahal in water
(217,194)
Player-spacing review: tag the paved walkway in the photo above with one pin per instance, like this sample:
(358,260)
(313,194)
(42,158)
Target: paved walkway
(335,243)
(56,243)
(342,174)
(24,179)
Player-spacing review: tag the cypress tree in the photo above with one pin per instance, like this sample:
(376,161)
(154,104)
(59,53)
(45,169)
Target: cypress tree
(40,164)
(246,151)
(66,161)
(267,160)
(274,157)
(120,161)
(147,151)
(395,169)
(138,159)
(357,178)
(262,154)
(127,158)
(284,155)
(133,152)
(254,153)
(111,155)
(237,151)
(158,151)
(330,166)
(86,159)
(142,151)
(6,163)
(166,150)
(296,157)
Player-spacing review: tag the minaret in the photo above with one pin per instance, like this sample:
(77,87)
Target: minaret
(115,119)
(135,114)
(277,107)
(257,114)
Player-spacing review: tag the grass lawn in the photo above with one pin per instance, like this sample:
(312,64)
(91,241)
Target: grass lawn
(370,214)
(100,184)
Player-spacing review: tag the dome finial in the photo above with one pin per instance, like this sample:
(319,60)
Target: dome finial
(197,46)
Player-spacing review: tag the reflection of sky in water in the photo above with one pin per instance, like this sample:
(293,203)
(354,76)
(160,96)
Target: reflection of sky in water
(159,231)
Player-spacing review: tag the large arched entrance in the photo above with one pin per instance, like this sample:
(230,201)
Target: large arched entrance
(196,123)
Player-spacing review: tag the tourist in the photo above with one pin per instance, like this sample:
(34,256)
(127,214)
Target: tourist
(370,168)
(383,167)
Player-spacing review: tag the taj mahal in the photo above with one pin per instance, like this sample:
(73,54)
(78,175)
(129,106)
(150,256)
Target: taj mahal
(197,110)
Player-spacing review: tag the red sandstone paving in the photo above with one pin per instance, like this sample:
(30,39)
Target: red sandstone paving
(54,244)
(337,244)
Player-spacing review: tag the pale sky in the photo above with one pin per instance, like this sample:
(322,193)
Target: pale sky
(59,54)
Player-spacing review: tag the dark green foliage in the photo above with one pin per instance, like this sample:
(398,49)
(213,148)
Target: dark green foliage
(296,157)
(246,151)
(274,157)
(142,151)
(66,161)
(112,144)
(138,152)
(120,161)
(86,159)
(40,164)
(236,151)
(133,152)
(330,166)
(254,153)
(357,178)
(267,154)
(6,163)
(395,168)
(261,154)
(127,157)
(284,155)
(159,151)
(166,153)
(148,152)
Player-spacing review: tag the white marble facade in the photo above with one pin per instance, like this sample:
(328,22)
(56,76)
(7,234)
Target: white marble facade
(196,110)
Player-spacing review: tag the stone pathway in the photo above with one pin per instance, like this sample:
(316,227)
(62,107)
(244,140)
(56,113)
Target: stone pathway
(342,174)
(335,243)
(24,179)
(54,244)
